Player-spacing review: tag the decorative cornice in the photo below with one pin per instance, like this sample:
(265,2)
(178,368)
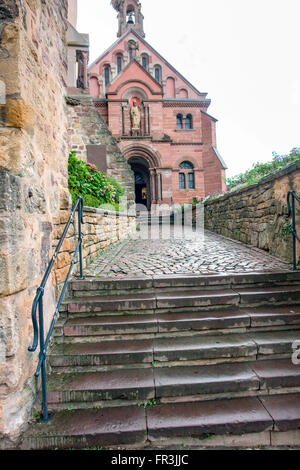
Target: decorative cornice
(186,104)
(187,143)
(100,104)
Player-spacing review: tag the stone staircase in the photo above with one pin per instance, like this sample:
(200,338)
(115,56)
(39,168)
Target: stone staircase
(147,218)
(193,360)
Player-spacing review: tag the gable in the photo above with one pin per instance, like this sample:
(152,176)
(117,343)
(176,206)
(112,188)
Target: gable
(135,75)
(169,70)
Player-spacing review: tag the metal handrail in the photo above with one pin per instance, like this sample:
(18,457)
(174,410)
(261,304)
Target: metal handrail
(291,211)
(38,329)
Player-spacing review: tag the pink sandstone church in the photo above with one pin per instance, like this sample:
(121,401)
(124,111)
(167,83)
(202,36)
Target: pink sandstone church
(159,119)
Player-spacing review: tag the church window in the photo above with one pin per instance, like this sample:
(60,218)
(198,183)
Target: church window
(119,64)
(181,181)
(179,121)
(189,122)
(186,166)
(187,170)
(107,75)
(157,74)
(130,54)
(191,180)
(145,61)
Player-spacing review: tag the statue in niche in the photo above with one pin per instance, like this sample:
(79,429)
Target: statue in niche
(135,115)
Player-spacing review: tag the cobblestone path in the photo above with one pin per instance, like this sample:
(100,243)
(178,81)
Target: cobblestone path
(201,254)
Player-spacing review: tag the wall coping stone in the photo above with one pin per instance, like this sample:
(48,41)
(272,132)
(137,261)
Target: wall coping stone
(267,179)
(96,210)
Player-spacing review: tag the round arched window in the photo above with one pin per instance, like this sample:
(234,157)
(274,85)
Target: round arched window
(179,121)
(186,166)
(186,175)
(189,122)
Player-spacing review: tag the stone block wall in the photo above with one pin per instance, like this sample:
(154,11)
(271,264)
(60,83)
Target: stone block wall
(256,215)
(101,229)
(33,185)
(87,127)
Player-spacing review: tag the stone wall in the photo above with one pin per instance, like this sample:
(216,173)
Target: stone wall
(256,215)
(101,229)
(33,182)
(87,127)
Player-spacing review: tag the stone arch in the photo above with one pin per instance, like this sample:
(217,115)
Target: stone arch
(141,157)
(134,91)
(186,158)
(146,85)
(153,158)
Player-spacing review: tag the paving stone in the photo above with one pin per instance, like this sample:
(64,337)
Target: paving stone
(210,254)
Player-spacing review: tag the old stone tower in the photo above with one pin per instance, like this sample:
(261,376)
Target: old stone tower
(171,145)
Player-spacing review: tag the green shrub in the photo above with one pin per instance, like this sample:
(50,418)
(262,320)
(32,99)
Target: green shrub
(260,170)
(87,181)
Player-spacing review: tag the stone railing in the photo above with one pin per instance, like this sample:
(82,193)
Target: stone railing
(256,215)
(101,229)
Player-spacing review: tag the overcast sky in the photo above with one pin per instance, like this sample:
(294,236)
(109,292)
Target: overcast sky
(244,54)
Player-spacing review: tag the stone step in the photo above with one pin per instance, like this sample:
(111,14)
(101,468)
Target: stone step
(249,345)
(244,297)
(274,295)
(101,354)
(131,384)
(110,325)
(158,323)
(196,382)
(236,416)
(158,383)
(136,425)
(222,348)
(104,285)
(196,299)
(89,428)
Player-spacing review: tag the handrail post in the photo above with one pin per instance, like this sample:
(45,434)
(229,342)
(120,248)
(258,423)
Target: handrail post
(80,215)
(294,233)
(43,355)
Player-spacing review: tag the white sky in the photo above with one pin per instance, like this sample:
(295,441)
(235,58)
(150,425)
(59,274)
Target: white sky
(244,53)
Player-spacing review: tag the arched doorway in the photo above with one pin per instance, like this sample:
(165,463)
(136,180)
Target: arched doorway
(141,171)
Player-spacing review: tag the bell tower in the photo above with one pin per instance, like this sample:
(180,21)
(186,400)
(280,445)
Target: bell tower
(129,16)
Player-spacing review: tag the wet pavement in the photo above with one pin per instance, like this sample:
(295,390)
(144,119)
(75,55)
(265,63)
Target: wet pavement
(156,251)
